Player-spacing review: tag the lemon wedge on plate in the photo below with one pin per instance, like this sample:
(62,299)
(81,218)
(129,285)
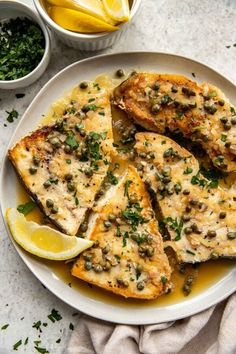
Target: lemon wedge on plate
(44,241)
(118,10)
(93,8)
(78,21)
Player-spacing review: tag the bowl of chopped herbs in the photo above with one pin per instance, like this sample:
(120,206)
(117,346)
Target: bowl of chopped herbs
(24,45)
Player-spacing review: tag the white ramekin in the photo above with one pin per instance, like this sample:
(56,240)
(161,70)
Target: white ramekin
(12,9)
(88,42)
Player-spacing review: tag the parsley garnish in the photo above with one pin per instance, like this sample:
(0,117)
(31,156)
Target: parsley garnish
(42,350)
(5,326)
(164,280)
(190,252)
(20,95)
(71,141)
(26,341)
(175,225)
(58,340)
(37,325)
(111,178)
(188,170)
(71,326)
(12,115)
(22,48)
(127,184)
(26,208)
(68,161)
(17,344)
(54,316)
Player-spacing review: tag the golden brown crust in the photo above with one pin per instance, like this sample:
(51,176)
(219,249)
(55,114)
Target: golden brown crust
(124,253)
(195,110)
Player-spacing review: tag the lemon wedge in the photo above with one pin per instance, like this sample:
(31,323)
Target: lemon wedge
(44,241)
(78,21)
(118,10)
(93,8)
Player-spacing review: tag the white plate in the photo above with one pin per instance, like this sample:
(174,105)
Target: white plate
(54,89)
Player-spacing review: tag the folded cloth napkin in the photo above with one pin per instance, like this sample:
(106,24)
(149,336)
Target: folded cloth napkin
(210,332)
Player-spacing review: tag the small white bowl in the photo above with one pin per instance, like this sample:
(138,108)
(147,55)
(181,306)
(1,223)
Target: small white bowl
(88,42)
(12,9)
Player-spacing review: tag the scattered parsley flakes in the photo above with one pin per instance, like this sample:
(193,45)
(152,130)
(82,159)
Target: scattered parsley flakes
(112,178)
(101,113)
(127,184)
(71,141)
(188,170)
(175,225)
(54,316)
(4,327)
(17,344)
(71,326)
(223,137)
(164,280)
(37,325)
(13,114)
(20,95)
(26,208)
(58,340)
(41,350)
(68,161)
(26,341)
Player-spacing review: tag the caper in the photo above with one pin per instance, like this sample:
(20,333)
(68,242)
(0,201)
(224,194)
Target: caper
(88,265)
(155,108)
(186,289)
(106,249)
(166,180)
(227,126)
(193,202)
(156,86)
(150,251)
(187,230)
(107,224)
(196,229)
(85,108)
(139,268)
(233,120)
(84,226)
(54,210)
(47,184)
(186,218)
(227,144)
(67,149)
(170,190)
(82,132)
(135,236)
(186,191)
(88,172)
(83,85)
(221,103)
(36,160)
(174,89)
(224,120)
(107,266)
(214,255)
(188,92)
(49,203)
(96,244)
(33,170)
(231,235)
(68,177)
(55,142)
(152,155)
(134,72)
(210,108)
(140,285)
(188,209)
(97,268)
(211,233)
(111,217)
(222,215)
(107,185)
(177,187)
(143,155)
(122,282)
(120,73)
(71,187)
(87,256)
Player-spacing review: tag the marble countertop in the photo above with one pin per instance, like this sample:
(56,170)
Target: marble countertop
(199,29)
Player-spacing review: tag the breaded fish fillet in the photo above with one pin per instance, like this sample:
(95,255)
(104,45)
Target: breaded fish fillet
(201,112)
(199,216)
(128,257)
(63,165)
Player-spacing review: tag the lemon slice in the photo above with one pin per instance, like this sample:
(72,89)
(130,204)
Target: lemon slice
(78,21)
(43,241)
(118,10)
(93,8)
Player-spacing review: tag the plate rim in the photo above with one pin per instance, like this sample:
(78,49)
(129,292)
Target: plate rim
(29,264)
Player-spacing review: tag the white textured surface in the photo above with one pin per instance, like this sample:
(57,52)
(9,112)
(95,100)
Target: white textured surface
(199,29)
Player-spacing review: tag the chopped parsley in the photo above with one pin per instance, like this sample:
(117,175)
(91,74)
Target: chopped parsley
(133,217)
(26,341)
(22,47)
(26,208)
(71,326)
(68,161)
(111,178)
(20,95)
(17,344)
(190,252)
(175,225)
(54,316)
(91,100)
(41,350)
(58,340)
(164,280)
(37,325)
(127,184)
(71,141)
(188,170)
(13,114)
(202,182)
(223,137)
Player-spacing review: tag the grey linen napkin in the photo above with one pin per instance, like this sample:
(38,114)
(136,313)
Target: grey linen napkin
(210,332)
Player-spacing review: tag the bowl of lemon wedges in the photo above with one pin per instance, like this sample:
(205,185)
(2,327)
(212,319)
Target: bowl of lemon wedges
(88,24)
